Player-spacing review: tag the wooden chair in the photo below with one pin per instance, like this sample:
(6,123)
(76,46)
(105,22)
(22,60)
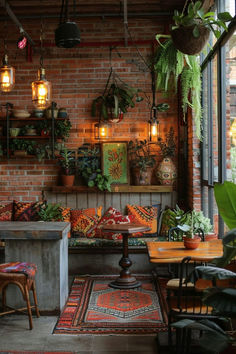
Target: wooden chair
(23,276)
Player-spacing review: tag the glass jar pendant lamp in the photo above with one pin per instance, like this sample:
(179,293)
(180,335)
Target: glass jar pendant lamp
(102,130)
(41,91)
(7,75)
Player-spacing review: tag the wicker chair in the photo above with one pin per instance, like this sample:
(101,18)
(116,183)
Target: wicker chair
(23,276)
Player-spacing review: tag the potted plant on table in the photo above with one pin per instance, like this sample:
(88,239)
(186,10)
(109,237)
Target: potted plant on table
(166,171)
(190,237)
(66,161)
(142,161)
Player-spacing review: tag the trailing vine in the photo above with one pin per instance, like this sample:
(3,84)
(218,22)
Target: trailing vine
(171,64)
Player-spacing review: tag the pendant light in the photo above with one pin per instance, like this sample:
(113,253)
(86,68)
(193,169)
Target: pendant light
(153,122)
(7,74)
(102,130)
(41,88)
(67,35)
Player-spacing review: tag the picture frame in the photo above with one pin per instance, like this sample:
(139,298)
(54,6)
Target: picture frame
(114,161)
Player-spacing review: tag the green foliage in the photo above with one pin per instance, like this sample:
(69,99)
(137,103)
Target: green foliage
(66,160)
(22,144)
(140,154)
(170,65)
(225,195)
(89,167)
(51,212)
(62,128)
(117,97)
(168,147)
(197,17)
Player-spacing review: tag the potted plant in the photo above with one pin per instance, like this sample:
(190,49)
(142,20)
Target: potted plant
(192,27)
(62,128)
(29,130)
(22,147)
(142,161)
(52,212)
(190,238)
(115,100)
(66,161)
(166,171)
(89,167)
(44,128)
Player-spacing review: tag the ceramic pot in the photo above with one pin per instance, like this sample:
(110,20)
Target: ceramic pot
(67,181)
(32,131)
(20,153)
(166,172)
(191,243)
(14,131)
(141,177)
(49,113)
(113,119)
(210,237)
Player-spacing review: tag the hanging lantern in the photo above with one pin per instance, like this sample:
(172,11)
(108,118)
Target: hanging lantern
(154,129)
(102,130)
(41,91)
(7,75)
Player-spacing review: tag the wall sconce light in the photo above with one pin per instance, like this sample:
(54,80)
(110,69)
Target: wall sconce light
(154,129)
(7,75)
(102,130)
(41,91)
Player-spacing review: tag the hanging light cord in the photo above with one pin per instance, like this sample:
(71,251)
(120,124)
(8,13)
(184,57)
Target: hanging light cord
(41,44)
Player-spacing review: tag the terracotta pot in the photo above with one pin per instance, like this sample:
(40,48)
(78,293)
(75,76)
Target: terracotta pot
(20,153)
(210,237)
(185,41)
(67,181)
(141,177)
(166,172)
(191,243)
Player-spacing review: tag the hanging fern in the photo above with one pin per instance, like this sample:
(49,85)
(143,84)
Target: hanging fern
(172,64)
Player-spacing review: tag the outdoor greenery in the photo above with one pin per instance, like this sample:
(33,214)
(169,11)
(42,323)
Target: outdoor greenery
(89,167)
(140,154)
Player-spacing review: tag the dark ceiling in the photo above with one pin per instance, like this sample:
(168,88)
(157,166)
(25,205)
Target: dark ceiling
(89,8)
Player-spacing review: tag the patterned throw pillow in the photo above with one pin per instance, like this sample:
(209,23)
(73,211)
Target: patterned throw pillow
(27,211)
(82,223)
(65,213)
(145,215)
(6,212)
(112,216)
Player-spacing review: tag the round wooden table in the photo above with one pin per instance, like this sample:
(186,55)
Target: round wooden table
(126,280)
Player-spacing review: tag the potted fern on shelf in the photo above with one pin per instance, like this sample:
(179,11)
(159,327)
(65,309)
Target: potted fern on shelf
(66,161)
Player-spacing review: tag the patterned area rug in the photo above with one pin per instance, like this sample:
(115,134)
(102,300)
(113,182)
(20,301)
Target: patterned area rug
(95,308)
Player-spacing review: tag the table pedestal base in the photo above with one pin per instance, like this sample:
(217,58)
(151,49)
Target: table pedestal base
(125,283)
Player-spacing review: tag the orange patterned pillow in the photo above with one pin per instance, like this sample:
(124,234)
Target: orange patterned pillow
(27,211)
(145,215)
(82,223)
(6,212)
(93,211)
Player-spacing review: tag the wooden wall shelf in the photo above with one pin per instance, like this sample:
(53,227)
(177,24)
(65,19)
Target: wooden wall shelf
(115,189)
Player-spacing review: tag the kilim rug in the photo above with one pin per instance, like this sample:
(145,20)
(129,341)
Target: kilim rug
(95,308)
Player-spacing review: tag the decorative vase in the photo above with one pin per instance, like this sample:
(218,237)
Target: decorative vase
(191,243)
(142,177)
(166,172)
(117,119)
(185,41)
(67,180)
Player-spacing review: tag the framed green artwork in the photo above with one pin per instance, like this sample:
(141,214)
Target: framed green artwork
(115,162)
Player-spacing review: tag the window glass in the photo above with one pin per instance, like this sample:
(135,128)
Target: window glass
(215,117)
(205,100)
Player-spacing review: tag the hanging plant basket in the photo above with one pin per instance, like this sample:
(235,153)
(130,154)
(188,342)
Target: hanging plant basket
(185,41)
(113,119)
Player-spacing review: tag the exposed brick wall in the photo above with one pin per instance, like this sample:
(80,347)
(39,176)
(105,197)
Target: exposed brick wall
(78,75)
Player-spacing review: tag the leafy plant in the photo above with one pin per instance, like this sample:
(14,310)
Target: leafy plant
(170,66)
(44,125)
(89,167)
(140,154)
(62,128)
(195,16)
(225,195)
(117,97)
(51,212)
(168,146)
(66,161)
(22,144)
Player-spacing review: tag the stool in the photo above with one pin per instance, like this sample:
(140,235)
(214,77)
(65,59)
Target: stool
(22,275)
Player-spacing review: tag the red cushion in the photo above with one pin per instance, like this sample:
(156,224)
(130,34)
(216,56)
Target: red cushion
(6,212)
(27,211)
(29,269)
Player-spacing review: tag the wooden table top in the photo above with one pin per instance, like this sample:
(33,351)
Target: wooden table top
(174,252)
(33,230)
(125,228)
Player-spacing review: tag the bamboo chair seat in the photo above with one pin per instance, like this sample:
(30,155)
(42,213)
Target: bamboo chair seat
(25,282)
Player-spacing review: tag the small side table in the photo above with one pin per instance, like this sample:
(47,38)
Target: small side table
(125,280)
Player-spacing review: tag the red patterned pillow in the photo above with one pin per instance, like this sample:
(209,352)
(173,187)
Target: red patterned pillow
(145,215)
(112,216)
(27,211)
(83,224)
(6,212)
